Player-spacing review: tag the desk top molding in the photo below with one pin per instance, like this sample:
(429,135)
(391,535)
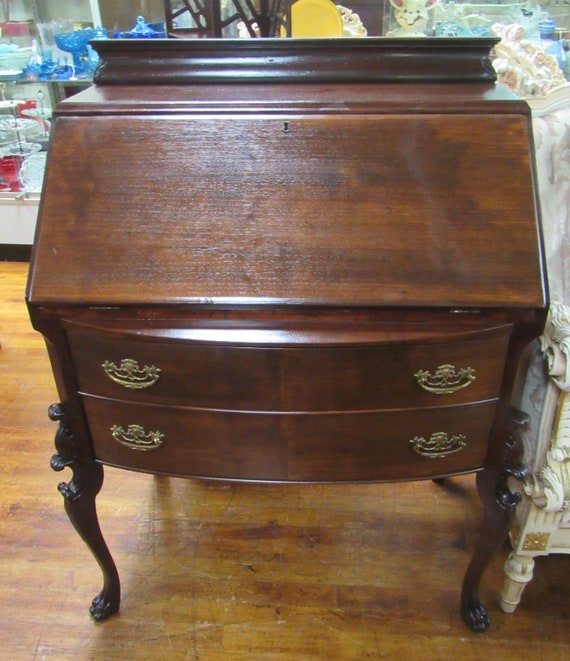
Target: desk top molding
(187,61)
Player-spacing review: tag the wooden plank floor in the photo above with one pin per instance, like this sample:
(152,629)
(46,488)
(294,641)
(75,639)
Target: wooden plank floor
(214,571)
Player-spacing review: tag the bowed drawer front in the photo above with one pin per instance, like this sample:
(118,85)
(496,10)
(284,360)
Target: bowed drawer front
(290,447)
(277,371)
(299,402)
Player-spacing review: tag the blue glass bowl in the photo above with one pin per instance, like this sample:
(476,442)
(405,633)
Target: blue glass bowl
(75,42)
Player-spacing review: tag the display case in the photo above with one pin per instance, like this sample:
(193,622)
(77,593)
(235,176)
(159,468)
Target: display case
(44,58)
(27,99)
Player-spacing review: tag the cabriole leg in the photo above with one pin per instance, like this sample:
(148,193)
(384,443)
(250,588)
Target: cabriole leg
(79,497)
(499,505)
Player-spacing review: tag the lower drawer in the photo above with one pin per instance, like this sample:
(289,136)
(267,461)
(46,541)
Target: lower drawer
(417,443)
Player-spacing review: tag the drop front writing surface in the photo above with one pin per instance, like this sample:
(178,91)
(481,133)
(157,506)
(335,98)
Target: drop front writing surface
(317,209)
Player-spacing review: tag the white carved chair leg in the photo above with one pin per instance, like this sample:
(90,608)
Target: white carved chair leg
(518,573)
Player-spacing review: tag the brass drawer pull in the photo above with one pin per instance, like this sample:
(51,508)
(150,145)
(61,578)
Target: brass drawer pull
(446,379)
(136,438)
(438,445)
(130,375)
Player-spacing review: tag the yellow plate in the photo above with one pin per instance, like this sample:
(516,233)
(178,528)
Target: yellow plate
(315,18)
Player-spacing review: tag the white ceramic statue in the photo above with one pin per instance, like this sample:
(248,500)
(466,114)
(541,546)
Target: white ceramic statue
(412,17)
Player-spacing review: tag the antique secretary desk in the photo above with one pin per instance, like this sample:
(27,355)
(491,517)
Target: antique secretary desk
(289,261)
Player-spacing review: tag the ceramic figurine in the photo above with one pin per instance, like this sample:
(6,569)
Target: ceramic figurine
(351,24)
(412,17)
(523,65)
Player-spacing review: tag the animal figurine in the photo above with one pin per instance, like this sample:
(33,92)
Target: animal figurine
(412,17)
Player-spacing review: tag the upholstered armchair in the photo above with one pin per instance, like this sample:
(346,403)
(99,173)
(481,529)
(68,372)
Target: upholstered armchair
(543,517)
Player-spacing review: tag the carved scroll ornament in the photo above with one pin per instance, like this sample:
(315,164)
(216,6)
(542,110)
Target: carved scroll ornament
(556,345)
(550,487)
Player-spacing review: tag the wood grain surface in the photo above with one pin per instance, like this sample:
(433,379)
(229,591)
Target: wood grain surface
(324,209)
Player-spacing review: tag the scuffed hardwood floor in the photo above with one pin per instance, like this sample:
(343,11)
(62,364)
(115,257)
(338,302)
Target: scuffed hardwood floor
(215,572)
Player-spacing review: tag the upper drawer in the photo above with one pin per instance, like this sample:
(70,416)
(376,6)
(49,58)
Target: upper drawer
(288,377)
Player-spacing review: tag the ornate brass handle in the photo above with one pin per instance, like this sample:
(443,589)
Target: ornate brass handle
(130,375)
(438,445)
(446,379)
(136,438)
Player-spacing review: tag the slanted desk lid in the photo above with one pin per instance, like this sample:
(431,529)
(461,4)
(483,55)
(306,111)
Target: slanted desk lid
(418,210)
(318,193)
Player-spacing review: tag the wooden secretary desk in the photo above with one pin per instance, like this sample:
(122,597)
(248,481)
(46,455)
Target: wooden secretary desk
(289,261)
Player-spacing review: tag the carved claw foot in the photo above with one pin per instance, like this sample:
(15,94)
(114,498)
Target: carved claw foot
(476,617)
(103,607)
(79,498)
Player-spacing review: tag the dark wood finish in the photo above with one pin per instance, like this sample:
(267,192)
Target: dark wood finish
(79,496)
(321,60)
(286,447)
(266,205)
(499,504)
(312,375)
(279,264)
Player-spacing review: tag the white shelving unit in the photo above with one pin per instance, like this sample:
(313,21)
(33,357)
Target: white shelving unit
(18,218)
